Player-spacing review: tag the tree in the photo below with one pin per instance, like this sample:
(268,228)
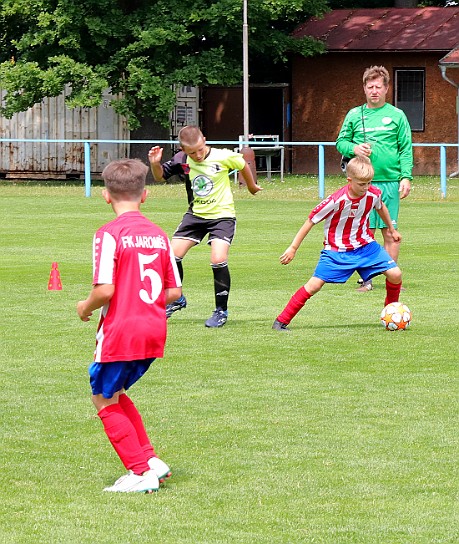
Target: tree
(139,49)
(354,4)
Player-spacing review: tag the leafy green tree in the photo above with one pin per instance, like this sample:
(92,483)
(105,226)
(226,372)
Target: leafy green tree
(351,4)
(139,49)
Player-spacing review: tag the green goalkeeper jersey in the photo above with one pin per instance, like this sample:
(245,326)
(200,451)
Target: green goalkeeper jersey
(388,132)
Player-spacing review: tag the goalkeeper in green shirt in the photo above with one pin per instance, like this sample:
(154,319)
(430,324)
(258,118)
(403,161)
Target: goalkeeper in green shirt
(381,132)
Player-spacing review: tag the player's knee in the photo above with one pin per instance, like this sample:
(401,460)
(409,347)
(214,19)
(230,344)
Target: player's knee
(314,285)
(394,275)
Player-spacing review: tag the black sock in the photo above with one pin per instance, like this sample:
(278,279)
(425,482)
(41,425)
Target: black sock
(222,283)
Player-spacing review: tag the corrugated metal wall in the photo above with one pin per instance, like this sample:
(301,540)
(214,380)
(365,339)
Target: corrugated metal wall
(51,119)
(186,111)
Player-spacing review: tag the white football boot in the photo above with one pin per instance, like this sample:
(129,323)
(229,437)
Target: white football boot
(160,468)
(133,483)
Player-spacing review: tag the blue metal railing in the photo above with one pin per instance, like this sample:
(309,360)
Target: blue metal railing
(320,145)
(321,166)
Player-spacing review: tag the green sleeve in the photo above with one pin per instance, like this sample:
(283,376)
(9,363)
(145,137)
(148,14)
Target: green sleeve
(405,148)
(351,133)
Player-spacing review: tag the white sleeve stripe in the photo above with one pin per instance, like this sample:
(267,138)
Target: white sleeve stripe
(106,262)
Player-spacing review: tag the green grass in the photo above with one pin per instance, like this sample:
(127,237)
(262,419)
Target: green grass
(337,433)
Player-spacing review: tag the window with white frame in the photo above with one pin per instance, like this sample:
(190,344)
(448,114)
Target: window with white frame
(409,95)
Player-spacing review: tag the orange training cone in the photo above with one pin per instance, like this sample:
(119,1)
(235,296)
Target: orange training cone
(54,283)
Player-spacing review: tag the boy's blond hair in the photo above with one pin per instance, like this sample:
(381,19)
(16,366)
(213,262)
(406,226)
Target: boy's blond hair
(360,168)
(190,135)
(373,72)
(125,178)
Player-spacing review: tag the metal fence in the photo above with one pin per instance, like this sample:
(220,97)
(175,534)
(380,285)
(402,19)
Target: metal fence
(320,145)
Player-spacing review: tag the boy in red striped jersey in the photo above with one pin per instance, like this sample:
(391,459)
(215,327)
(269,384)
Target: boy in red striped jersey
(349,244)
(134,277)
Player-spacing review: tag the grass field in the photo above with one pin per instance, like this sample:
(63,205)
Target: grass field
(337,433)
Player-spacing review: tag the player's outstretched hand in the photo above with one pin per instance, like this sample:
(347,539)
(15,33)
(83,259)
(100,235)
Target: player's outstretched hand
(155,154)
(288,255)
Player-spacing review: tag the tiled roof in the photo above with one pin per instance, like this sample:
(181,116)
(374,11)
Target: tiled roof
(451,59)
(385,29)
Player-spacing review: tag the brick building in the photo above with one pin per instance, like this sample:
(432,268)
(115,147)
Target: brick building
(410,43)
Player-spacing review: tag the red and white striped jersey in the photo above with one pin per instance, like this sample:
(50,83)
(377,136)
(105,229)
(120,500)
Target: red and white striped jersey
(346,219)
(135,256)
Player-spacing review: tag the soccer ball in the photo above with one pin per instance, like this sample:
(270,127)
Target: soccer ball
(396,316)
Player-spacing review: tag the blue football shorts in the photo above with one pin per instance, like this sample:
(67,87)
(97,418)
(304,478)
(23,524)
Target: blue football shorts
(108,378)
(369,261)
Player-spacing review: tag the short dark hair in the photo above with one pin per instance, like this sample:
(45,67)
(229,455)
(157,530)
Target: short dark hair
(125,178)
(190,135)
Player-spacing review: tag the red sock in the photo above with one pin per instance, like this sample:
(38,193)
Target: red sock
(135,418)
(123,438)
(294,305)
(392,292)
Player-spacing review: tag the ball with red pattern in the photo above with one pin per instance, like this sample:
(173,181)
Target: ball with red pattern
(396,316)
